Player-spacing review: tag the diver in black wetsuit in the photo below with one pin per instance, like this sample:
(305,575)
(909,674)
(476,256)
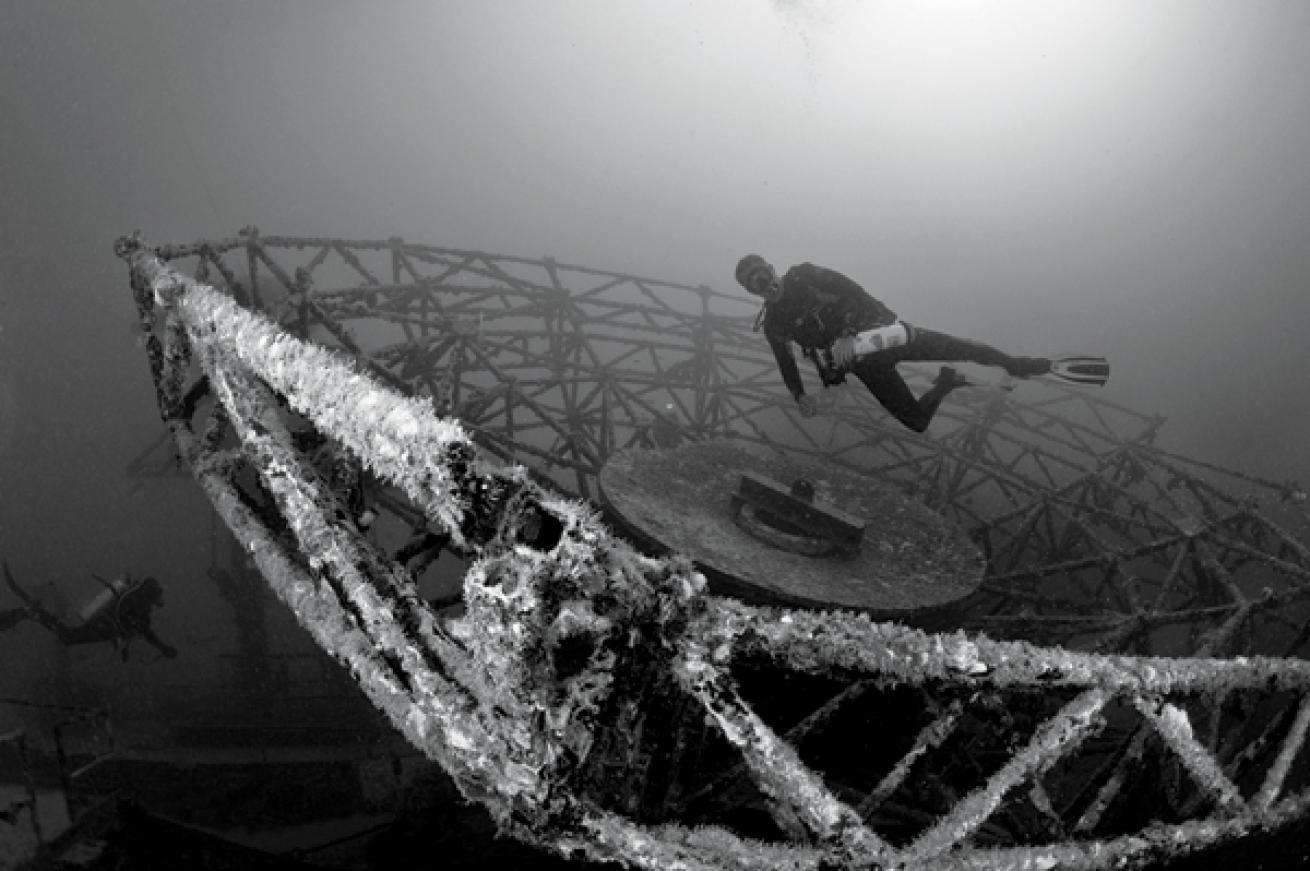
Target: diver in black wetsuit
(124,616)
(822,310)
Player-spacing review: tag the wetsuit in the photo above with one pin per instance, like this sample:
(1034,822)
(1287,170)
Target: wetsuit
(819,306)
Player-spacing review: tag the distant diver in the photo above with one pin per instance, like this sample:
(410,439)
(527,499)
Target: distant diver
(841,328)
(120,613)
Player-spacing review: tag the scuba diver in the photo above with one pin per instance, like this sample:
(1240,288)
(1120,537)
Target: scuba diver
(117,614)
(841,329)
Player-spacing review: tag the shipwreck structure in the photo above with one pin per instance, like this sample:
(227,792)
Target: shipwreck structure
(1125,685)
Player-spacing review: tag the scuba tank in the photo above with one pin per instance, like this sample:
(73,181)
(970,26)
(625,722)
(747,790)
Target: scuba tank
(102,601)
(867,342)
(881,338)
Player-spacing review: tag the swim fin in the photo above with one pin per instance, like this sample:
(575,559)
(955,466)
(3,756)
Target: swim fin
(1081,370)
(18,591)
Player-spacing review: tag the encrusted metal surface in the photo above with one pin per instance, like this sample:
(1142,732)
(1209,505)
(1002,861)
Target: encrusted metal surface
(910,558)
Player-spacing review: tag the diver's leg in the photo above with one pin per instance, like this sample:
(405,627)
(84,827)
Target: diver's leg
(932,345)
(34,609)
(13,585)
(890,389)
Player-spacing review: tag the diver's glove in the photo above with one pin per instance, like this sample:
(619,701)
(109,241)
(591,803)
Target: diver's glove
(806,404)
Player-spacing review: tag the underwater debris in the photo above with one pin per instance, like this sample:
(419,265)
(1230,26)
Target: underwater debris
(512,697)
(865,544)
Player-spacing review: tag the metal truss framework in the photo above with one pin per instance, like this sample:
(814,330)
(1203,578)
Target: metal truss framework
(1000,753)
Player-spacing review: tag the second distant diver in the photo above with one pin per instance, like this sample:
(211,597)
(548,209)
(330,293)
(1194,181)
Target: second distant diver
(118,615)
(836,323)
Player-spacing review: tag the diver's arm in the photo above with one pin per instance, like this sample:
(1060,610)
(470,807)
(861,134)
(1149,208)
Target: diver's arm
(791,375)
(156,642)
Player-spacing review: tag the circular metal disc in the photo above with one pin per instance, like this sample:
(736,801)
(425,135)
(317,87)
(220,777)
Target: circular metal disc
(678,500)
